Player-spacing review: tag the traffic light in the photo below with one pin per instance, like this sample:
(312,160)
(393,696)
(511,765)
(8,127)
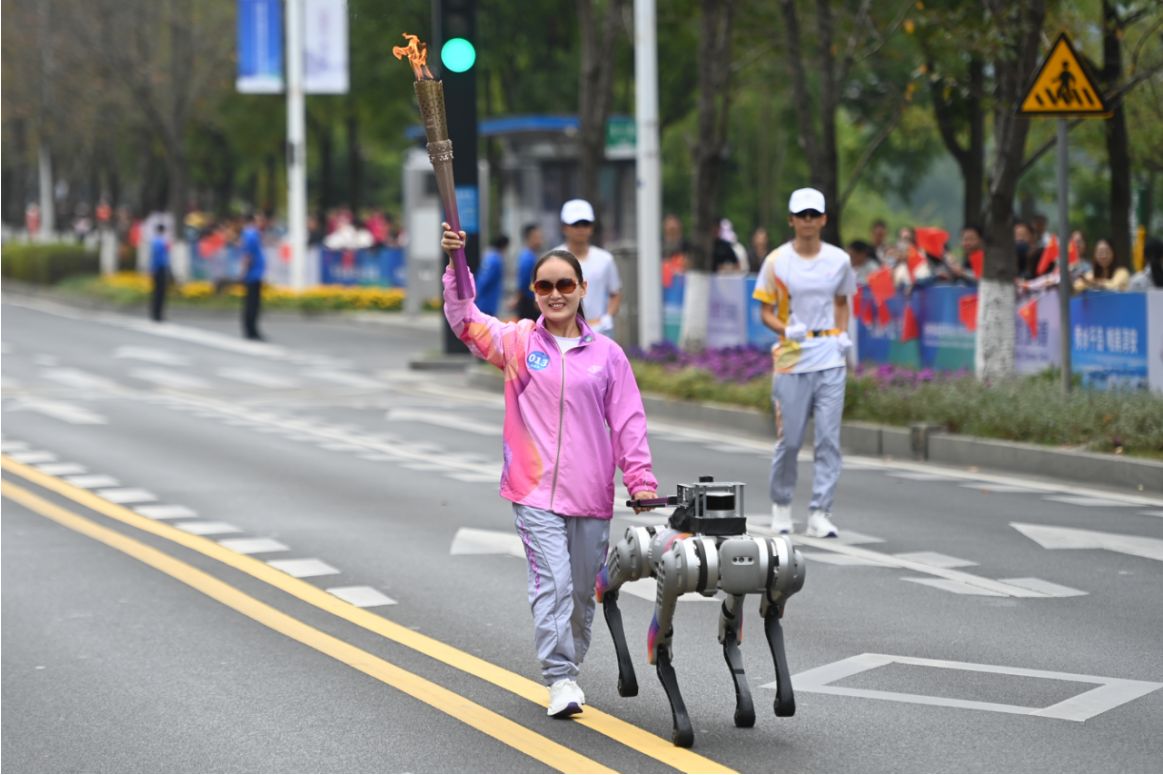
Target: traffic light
(454,36)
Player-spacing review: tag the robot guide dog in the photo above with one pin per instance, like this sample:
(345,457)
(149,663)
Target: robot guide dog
(704,548)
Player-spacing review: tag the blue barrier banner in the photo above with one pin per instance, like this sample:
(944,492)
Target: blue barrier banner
(727,317)
(945,342)
(1108,339)
(882,343)
(383,267)
(672,308)
(260,47)
(758,333)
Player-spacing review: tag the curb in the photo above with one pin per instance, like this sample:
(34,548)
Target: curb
(919,442)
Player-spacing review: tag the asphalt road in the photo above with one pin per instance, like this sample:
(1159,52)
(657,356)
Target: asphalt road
(159,482)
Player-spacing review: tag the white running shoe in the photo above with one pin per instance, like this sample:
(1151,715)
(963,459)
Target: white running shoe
(820,525)
(781,518)
(565,699)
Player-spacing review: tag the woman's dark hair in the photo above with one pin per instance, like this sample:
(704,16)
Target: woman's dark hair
(1100,272)
(570,259)
(1153,257)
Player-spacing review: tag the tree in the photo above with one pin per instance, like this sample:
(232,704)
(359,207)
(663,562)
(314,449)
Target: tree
(1015,30)
(714,102)
(595,90)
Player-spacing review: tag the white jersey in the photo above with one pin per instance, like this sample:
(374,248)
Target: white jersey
(803,290)
(600,272)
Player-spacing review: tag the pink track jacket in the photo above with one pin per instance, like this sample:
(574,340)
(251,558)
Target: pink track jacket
(559,453)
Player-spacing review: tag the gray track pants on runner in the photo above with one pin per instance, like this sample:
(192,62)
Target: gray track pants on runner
(564,555)
(795,397)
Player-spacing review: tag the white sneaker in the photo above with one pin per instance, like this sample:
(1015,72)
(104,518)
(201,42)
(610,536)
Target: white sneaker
(565,699)
(820,525)
(781,518)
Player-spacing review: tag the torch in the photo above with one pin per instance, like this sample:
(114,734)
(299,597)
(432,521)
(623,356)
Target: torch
(430,94)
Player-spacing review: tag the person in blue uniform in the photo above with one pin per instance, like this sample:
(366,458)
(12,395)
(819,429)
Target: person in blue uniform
(253,267)
(491,276)
(159,268)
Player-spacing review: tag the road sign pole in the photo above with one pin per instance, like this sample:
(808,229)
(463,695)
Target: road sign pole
(1065,286)
(296,147)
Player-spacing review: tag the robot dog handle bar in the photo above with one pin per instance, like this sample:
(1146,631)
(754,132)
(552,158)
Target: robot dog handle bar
(670,501)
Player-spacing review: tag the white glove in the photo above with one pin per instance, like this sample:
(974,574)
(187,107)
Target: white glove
(844,341)
(606,324)
(797,332)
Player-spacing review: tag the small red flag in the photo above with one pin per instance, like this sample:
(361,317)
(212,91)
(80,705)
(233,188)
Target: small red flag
(910,329)
(868,312)
(880,283)
(882,314)
(1049,256)
(932,240)
(915,261)
(858,302)
(967,313)
(1029,313)
(977,261)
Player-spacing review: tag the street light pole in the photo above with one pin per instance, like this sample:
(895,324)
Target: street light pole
(296,147)
(1064,285)
(649,173)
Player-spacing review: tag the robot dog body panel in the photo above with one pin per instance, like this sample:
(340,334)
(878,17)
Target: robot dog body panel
(724,558)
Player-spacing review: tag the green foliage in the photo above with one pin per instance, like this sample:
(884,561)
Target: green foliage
(1031,409)
(46,264)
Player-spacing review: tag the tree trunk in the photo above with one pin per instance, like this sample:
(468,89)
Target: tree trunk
(970,159)
(595,92)
(795,59)
(713,110)
(354,164)
(829,104)
(1117,143)
(326,173)
(1018,26)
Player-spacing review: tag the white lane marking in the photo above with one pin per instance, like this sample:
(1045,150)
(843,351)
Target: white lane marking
(13,446)
(852,538)
(61,469)
(474,478)
(997,488)
(1049,587)
(919,477)
(82,380)
(830,544)
(452,421)
(152,355)
(425,466)
(1111,692)
(45,360)
(730,449)
(471,540)
(647,589)
(1085,501)
(260,378)
(127,495)
(92,481)
(1051,537)
(240,423)
(345,378)
(303,568)
(35,456)
(936,559)
(172,379)
(338,446)
(362,597)
(254,545)
(207,528)
(1152,513)
(8,383)
(843,559)
(956,587)
(166,511)
(59,410)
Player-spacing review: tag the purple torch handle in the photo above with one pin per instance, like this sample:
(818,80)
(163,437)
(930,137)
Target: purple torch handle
(459,262)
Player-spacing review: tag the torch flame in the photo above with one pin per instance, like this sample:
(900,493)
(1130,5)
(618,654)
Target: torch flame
(417,54)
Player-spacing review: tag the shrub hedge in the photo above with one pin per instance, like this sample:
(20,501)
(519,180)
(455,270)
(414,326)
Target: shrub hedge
(46,264)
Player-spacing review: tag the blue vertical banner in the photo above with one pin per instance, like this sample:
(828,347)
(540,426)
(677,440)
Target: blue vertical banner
(1108,337)
(468,208)
(260,47)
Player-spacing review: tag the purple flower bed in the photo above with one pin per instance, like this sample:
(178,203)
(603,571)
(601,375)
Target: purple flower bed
(887,375)
(727,364)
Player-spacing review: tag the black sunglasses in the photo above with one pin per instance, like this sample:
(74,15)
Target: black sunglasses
(564,285)
(808,214)
(582,224)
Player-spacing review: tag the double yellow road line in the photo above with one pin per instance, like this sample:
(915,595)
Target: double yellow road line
(508,732)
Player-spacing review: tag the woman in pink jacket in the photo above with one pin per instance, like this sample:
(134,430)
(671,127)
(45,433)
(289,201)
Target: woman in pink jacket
(572,412)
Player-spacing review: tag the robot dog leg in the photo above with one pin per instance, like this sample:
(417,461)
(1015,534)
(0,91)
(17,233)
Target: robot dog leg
(629,561)
(782,584)
(731,636)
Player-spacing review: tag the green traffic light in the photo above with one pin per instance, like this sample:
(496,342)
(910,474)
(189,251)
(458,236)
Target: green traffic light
(458,55)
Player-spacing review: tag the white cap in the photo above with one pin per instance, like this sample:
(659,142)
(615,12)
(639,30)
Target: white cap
(576,210)
(806,199)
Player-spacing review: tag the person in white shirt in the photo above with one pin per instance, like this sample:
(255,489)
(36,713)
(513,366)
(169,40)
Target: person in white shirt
(601,271)
(803,288)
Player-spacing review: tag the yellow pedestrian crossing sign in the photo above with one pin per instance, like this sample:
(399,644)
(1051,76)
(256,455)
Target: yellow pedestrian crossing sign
(1064,87)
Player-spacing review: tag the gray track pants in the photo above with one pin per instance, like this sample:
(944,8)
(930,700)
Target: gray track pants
(564,555)
(795,397)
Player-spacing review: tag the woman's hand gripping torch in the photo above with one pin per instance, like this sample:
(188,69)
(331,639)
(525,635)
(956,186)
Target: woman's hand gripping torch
(430,94)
